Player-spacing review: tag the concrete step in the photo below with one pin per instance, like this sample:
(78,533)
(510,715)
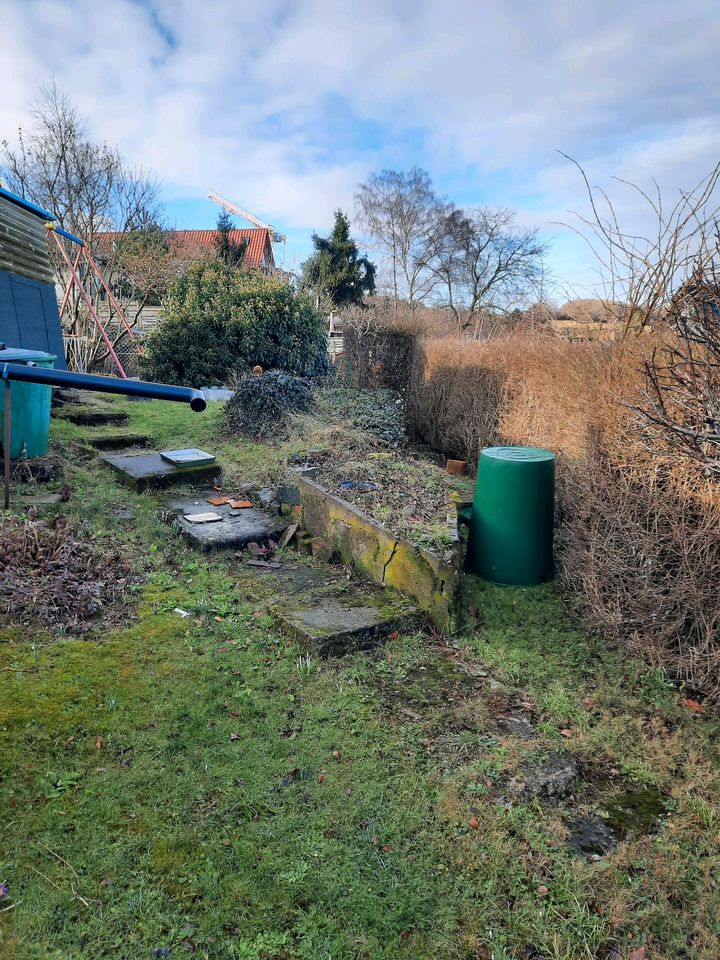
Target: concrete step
(119,441)
(333,629)
(145,471)
(91,415)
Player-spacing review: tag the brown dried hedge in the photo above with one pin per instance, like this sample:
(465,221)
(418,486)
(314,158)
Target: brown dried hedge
(638,540)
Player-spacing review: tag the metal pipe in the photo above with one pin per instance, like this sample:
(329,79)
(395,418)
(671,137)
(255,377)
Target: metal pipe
(87,381)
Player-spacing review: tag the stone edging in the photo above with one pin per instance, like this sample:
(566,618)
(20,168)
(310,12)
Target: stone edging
(385,559)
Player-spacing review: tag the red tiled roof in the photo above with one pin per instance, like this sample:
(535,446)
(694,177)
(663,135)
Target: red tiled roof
(259,242)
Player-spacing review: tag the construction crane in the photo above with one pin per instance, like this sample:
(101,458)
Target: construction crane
(246,215)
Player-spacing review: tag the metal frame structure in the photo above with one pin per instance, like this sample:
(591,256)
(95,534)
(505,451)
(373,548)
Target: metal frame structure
(76,280)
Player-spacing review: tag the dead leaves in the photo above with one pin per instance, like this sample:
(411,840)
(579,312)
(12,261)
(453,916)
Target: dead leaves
(50,572)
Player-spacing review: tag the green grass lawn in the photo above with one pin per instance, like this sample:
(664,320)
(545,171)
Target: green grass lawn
(176,785)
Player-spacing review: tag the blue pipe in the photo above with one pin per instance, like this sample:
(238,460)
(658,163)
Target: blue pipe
(69,236)
(26,373)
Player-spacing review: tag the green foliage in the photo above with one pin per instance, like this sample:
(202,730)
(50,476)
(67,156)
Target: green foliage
(229,252)
(377,412)
(260,405)
(336,268)
(218,322)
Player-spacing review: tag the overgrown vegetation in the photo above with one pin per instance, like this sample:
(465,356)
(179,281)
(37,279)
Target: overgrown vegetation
(200,785)
(380,413)
(262,404)
(51,576)
(218,322)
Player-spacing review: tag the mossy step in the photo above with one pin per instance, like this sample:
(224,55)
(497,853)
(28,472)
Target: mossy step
(119,441)
(91,415)
(332,629)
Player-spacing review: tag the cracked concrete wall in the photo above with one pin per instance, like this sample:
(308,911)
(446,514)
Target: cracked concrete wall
(383,558)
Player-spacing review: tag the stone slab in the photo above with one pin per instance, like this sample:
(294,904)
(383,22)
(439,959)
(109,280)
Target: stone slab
(235,529)
(144,471)
(552,778)
(330,629)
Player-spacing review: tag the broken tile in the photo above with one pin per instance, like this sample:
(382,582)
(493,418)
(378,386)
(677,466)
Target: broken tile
(240,504)
(288,535)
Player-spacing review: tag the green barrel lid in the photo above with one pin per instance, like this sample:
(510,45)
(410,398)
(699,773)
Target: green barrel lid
(532,454)
(17,355)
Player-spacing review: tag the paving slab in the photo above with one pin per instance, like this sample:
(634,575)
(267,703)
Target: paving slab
(234,530)
(330,629)
(292,579)
(144,471)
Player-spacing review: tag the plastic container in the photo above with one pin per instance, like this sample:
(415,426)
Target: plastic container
(29,406)
(511,524)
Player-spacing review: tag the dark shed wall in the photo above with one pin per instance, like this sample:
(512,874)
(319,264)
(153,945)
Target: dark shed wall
(23,246)
(29,316)
(28,303)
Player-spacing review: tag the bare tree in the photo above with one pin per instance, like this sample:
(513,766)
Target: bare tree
(642,272)
(400,211)
(91,190)
(445,258)
(682,392)
(501,262)
(484,263)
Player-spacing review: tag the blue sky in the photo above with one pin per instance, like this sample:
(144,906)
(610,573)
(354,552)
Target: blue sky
(286,106)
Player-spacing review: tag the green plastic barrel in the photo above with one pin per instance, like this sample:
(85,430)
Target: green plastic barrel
(511,525)
(29,406)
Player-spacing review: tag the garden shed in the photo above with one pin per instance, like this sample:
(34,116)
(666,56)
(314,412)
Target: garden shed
(28,303)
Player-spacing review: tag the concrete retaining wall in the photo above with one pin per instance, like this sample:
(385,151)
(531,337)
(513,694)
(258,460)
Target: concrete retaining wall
(361,542)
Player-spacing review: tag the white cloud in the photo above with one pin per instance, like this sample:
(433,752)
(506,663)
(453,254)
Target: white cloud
(235,95)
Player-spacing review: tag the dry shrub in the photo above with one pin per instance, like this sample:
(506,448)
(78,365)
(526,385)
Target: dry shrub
(524,388)
(377,351)
(641,552)
(52,574)
(638,543)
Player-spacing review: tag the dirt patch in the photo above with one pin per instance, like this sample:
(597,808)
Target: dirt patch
(52,574)
(37,470)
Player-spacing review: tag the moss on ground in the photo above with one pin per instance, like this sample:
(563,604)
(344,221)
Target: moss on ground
(198,784)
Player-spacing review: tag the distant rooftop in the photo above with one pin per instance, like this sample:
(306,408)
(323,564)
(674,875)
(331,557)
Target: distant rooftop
(259,250)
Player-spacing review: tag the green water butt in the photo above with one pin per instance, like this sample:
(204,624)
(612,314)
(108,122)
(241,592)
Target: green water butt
(29,406)
(511,523)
